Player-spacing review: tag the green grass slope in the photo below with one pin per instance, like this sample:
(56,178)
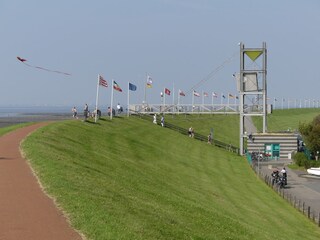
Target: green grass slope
(287,119)
(131,179)
(225,127)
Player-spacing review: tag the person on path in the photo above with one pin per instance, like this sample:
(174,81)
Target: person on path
(74,112)
(155,118)
(85,112)
(284,175)
(209,138)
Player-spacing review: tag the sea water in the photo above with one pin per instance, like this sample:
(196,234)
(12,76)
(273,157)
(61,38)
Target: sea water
(33,110)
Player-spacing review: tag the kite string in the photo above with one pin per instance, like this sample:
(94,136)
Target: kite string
(214,72)
(45,69)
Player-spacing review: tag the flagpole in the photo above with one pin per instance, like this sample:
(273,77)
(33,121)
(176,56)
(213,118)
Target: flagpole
(179,102)
(111,108)
(202,100)
(145,86)
(192,99)
(221,98)
(128,101)
(173,98)
(97,97)
(212,99)
(164,99)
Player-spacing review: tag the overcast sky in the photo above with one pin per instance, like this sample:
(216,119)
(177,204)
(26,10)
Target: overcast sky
(177,42)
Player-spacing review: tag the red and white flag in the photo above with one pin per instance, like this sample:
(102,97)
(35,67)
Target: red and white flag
(181,93)
(167,91)
(196,94)
(205,94)
(102,82)
(116,86)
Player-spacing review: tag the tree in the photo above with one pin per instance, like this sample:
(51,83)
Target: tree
(311,134)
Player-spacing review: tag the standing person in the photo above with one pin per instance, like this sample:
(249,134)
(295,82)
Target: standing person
(209,139)
(155,118)
(162,121)
(85,112)
(119,108)
(74,112)
(284,175)
(190,132)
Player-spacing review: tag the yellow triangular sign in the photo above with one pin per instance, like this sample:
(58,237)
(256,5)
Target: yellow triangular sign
(253,55)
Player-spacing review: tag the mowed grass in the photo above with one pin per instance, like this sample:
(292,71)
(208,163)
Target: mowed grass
(287,119)
(225,127)
(130,179)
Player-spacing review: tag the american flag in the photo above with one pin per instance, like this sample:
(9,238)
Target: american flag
(102,82)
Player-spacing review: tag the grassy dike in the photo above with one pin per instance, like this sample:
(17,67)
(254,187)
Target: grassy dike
(131,179)
(287,119)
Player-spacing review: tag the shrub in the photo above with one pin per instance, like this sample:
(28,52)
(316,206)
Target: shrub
(300,159)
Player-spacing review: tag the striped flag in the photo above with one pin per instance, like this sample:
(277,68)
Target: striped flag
(167,91)
(181,93)
(196,94)
(149,82)
(102,82)
(116,86)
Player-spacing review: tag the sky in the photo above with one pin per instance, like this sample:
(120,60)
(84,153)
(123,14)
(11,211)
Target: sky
(179,43)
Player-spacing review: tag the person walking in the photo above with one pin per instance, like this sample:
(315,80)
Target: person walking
(162,121)
(86,112)
(284,175)
(74,112)
(155,118)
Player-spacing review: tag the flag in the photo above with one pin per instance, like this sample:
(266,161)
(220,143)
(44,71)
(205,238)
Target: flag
(132,87)
(116,86)
(181,93)
(275,99)
(102,82)
(167,91)
(230,95)
(237,97)
(196,94)
(214,94)
(223,96)
(205,94)
(149,82)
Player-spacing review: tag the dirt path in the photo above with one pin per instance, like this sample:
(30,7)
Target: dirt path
(25,211)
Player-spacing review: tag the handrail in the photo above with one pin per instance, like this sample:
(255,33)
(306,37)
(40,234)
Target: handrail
(200,137)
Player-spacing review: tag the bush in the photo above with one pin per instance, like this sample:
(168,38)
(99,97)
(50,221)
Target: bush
(300,159)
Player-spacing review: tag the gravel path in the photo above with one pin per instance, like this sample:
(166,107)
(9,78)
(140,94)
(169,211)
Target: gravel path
(26,212)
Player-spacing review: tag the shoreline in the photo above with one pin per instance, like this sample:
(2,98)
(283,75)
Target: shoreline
(6,121)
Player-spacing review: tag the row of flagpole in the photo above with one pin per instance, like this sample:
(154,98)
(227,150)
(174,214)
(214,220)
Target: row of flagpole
(131,87)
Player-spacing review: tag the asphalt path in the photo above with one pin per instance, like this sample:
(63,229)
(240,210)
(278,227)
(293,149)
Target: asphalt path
(301,185)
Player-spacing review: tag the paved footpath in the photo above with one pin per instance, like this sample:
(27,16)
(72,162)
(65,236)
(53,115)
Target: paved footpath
(301,185)
(26,212)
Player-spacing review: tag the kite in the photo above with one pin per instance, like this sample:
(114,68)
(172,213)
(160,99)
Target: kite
(42,68)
